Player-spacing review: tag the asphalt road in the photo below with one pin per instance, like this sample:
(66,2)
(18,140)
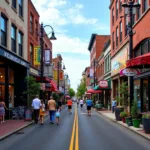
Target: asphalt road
(95,133)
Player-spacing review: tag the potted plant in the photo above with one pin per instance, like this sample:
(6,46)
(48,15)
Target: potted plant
(123,115)
(146,123)
(135,115)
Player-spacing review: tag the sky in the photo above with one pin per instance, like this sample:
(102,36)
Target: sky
(74,21)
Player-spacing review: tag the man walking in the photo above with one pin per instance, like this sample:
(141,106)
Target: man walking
(114,104)
(36,104)
(52,109)
(89,106)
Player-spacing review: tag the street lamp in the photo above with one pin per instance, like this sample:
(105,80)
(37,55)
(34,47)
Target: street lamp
(42,48)
(130,4)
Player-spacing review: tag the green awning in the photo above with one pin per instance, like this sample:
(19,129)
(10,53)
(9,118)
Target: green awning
(109,86)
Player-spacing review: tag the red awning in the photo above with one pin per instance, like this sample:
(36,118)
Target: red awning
(45,79)
(93,91)
(53,88)
(142,61)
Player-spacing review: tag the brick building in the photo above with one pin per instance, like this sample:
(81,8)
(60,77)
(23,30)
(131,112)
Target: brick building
(120,46)
(87,79)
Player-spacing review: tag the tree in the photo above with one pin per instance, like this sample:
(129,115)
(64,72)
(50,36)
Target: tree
(71,92)
(33,89)
(81,88)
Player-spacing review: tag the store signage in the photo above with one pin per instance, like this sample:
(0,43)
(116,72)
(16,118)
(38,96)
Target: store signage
(103,84)
(47,56)
(129,72)
(37,55)
(34,71)
(15,59)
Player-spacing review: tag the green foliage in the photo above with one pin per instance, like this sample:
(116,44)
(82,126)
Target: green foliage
(55,96)
(71,92)
(146,116)
(81,88)
(33,89)
(123,114)
(123,98)
(134,109)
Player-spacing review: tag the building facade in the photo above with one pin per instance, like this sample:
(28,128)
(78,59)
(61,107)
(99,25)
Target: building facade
(14,64)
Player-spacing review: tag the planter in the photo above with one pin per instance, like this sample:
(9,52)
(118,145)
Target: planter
(136,123)
(123,120)
(146,125)
(118,110)
(127,120)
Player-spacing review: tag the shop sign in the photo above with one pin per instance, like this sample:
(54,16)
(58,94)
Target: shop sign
(103,84)
(119,61)
(47,56)
(129,72)
(37,55)
(34,71)
(55,75)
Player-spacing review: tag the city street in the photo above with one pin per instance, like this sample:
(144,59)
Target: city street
(90,133)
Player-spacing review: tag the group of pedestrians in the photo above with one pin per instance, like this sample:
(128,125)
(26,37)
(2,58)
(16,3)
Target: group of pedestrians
(39,110)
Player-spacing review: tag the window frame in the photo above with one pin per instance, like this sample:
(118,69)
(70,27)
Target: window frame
(117,36)
(145,5)
(20,7)
(120,31)
(20,45)
(120,5)
(117,9)
(31,54)
(14,4)
(31,24)
(2,31)
(14,48)
(113,16)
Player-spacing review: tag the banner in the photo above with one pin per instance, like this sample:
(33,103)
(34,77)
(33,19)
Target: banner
(47,56)
(55,75)
(37,55)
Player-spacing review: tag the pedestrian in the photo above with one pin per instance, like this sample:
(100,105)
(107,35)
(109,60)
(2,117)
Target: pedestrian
(52,109)
(77,102)
(2,111)
(36,104)
(81,103)
(69,102)
(59,104)
(89,106)
(114,104)
(58,116)
(42,112)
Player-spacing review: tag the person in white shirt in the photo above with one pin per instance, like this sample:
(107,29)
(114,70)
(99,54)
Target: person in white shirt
(81,103)
(36,104)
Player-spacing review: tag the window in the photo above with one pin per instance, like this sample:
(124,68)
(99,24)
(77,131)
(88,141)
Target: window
(13,38)
(138,10)
(31,54)
(20,43)
(113,16)
(36,30)
(117,36)
(113,42)
(14,4)
(126,25)
(145,5)
(3,31)
(120,7)
(31,24)
(144,47)
(121,31)
(20,2)
(116,9)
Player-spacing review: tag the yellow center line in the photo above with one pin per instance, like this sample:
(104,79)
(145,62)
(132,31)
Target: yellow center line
(73,133)
(77,134)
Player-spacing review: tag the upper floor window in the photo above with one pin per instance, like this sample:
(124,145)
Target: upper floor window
(113,40)
(138,10)
(14,3)
(3,31)
(117,35)
(20,43)
(13,38)
(20,2)
(120,6)
(117,9)
(113,16)
(31,24)
(36,30)
(121,31)
(31,54)
(145,5)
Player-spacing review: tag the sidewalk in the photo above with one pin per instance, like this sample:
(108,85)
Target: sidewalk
(12,126)
(111,116)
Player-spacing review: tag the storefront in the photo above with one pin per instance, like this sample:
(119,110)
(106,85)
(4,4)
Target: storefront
(13,71)
(118,63)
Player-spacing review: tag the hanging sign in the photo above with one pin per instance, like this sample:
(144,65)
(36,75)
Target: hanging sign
(129,72)
(37,55)
(47,56)
(103,84)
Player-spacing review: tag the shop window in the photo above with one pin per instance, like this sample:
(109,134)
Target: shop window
(3,31)
(11,76)
(145,95)
(2,92)
(11,95)
(13,38)
(2,75)
(138,51)
(20,43)
(14,4)
(20,2)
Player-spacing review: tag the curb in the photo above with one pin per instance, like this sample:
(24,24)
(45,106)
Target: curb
(23,127)
(139,133)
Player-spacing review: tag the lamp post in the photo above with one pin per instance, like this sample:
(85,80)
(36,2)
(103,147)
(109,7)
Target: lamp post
(130,5)
(42,49)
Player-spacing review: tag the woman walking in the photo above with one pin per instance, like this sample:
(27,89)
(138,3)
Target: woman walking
(42,112)
(2,111)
